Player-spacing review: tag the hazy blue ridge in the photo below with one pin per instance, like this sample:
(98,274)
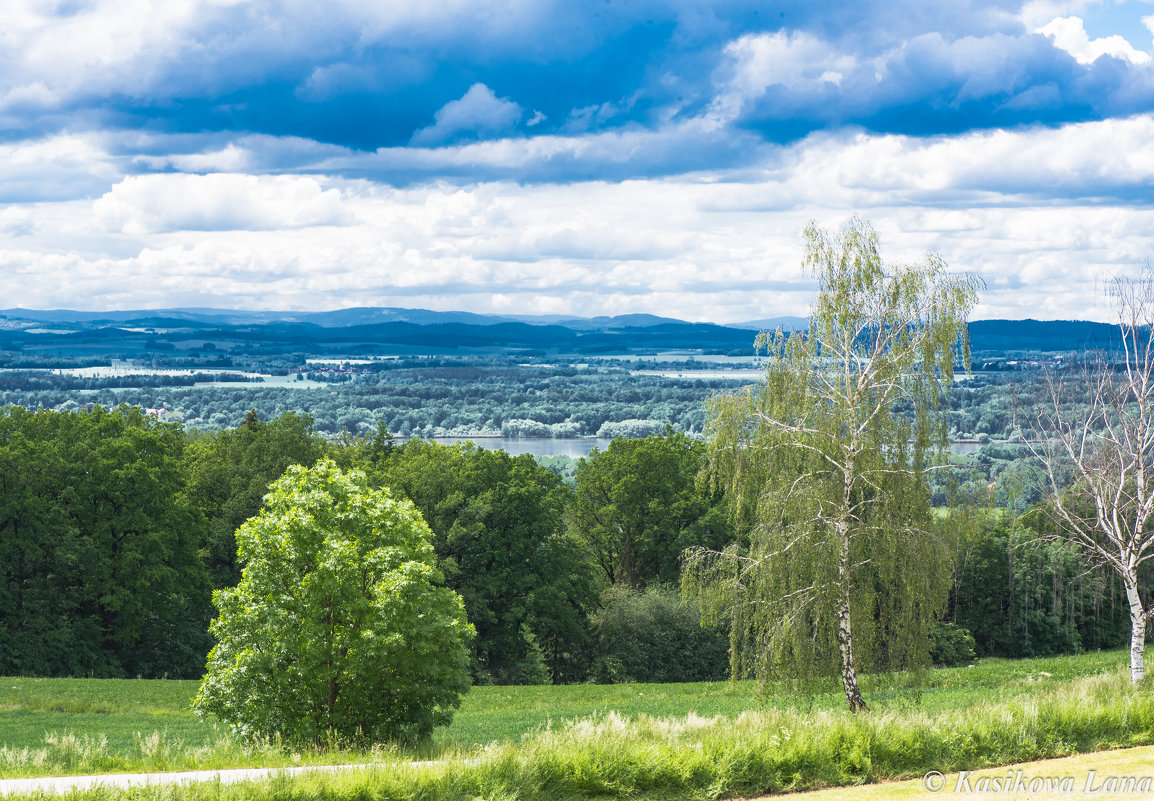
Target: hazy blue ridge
(363,329)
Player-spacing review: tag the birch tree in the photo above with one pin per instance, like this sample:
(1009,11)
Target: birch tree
(1094,439)
(824,464)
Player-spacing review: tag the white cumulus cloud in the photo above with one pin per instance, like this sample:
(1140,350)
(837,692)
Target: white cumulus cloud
(795,61)
(220,201)
(1069,33)
(479,113)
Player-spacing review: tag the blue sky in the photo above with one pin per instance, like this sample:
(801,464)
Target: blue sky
(604,156)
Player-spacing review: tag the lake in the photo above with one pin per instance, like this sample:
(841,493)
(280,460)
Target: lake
(579,447)
(575,448)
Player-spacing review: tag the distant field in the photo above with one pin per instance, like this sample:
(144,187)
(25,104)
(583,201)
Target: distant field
(59,726)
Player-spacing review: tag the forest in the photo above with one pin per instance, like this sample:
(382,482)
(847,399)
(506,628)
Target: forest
(115,527)
(471,395)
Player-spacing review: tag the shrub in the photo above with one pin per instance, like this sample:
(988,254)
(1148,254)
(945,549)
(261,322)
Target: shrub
(950,645)
(655,636)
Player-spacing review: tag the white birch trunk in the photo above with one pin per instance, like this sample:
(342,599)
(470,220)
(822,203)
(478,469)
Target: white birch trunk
(1137,630)
(844,630)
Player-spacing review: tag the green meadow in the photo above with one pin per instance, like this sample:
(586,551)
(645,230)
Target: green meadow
(628,740)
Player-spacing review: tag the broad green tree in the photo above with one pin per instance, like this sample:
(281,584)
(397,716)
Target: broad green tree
(498,531)
(824,462)
(638,507)
(99,571)
(339,626)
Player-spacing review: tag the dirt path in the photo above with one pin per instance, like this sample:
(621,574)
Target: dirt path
(1126,774)
(64,784)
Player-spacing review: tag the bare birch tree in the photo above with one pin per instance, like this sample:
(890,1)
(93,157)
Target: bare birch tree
(824,463)
(1093,437)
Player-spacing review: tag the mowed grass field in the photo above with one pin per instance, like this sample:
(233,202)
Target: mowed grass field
(75,726)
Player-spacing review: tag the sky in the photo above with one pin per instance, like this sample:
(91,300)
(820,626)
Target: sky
(549,157)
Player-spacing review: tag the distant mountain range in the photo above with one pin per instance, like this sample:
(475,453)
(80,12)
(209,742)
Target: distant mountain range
(341,318)
(370,329)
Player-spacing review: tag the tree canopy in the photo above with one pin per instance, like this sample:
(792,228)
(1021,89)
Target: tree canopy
(230,471)
(99,571)
(638,506)
(339,625)
(498,529)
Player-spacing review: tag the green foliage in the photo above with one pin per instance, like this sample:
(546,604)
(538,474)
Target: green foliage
(99,572)
(499,538)
(638,507)
(824,463)
(337,628)
(230,471)
(656,636)
(1024,595)
(532,669)
(631,429)
(950,645)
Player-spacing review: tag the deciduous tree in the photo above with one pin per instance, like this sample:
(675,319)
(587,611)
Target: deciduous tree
(638,507)
(824,463)
(1096,453)
(497,524)
(230,471)
(99,572)
(339,625)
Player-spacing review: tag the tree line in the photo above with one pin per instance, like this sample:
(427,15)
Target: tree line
(460,397)
(490,400)
(115,528)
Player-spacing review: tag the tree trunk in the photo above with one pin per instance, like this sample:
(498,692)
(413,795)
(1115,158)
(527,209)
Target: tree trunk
(628,570)
(1137,629)
(334,689)
(844,630)
(845,645)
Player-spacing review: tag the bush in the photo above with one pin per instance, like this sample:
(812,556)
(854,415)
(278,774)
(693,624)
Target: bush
(655,636)
(950,645)
(337,630)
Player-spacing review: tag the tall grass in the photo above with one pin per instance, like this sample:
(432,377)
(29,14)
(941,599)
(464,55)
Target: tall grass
(760,751)
(67,754)
(695,740)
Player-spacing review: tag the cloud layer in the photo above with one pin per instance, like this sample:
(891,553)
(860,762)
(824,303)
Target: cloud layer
(566,157)
(381,75)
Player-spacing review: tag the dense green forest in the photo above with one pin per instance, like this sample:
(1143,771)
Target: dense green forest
(116,526)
